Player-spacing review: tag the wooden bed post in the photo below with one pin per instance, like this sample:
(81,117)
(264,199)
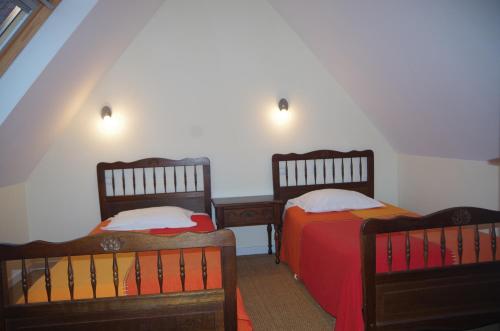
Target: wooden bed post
(207,187)
(4,296)
(228,260)
(371,172)
(368,271)
(276,176)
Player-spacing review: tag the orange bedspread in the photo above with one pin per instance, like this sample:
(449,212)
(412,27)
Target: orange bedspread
(296,219)
(126,273)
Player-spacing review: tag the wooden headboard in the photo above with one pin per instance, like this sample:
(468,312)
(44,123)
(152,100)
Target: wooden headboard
(296,174)
(154,182)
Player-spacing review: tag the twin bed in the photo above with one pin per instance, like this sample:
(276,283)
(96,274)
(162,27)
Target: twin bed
(386,268)
(373,269)
(174,280)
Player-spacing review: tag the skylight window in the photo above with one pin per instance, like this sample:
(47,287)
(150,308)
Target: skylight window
(19,21)
(12,17)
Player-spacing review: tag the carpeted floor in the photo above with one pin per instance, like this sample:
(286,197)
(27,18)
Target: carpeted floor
(275,300)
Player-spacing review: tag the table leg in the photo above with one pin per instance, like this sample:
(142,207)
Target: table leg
(269,242)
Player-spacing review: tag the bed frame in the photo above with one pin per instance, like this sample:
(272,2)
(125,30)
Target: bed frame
(142,183)
(208,309)
(446,298)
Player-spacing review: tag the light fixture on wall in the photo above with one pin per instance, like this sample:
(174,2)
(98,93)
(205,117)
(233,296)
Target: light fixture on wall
(106,113)
(283,105)
(110,123)
(281,116)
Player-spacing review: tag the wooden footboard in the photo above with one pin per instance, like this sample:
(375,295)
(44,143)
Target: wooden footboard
(450,297)
(203,309)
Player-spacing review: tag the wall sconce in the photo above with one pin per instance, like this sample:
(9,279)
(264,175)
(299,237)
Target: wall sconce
(109,123)
(283,105)
(106,113)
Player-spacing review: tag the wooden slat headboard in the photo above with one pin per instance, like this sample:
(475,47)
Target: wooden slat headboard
(296,174)
(154,182)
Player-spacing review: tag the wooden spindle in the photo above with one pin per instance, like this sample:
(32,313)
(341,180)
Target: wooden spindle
(286,173)
(315,172)
(185,179)
(24,280)
(175,179)
(138,273)
(389,251)
(476,242)
(493,242)
(460,244)
(360,169)
(159,264)
(342,170)
(333,170)
(296,174)
(115,274)
(71,279)
(154,179)
(426,248)
(305,167)
(443,246)
(204,268)
(123,181)
(133,179)
(408,251)
(352,172)
(48,281)
(195,178)
(182,270)
(93,278)
(113,181)
(144,179)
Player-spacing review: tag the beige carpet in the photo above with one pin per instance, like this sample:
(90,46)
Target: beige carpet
(275,300)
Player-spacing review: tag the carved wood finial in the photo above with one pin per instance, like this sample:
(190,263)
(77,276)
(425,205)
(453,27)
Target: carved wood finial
(111,244)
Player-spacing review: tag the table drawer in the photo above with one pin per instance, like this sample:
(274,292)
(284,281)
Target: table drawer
(248,216)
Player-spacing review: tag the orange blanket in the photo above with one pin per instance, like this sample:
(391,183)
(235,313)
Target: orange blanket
(296,219)
(126,274)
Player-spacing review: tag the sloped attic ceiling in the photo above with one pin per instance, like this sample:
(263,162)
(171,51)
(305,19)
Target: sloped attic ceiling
(51,101)
(426,72)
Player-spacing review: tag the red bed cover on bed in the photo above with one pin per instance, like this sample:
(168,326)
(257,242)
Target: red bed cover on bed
(332,272)
(329,261)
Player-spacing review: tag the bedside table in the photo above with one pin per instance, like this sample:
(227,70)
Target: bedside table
(248,211)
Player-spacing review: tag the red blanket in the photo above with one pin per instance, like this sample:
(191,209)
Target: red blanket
(330,266)
(203,224)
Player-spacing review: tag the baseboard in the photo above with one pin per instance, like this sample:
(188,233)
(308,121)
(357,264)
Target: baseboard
(251,250)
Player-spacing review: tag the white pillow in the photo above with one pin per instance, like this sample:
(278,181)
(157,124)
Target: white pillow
(326,200)
(151,218)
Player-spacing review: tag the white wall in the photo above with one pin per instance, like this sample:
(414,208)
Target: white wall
(13,218)
(428,184)
(203,79)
